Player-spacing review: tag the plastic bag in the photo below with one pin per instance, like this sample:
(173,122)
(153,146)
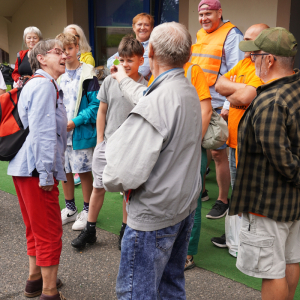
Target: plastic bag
(233,226)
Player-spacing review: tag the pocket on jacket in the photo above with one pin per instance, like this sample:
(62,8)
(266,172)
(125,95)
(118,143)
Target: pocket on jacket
(166,237)
(255,252)
(89,131)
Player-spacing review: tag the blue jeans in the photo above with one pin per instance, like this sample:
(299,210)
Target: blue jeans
(232,166)
(152,262)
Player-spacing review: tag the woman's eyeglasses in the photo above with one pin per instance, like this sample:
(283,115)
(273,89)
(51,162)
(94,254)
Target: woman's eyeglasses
(56,51)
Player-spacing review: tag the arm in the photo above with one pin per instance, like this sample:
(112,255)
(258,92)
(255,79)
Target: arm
(111,60)
(89,114)
(226,87)
(15,74)
(271,133)
(101,117)
(232,56)
(131,154)
(132,90)
(206,112)
(42,124)
(243,96)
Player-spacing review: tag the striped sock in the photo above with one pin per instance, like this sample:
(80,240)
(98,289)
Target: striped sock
(70,204)
(86,206)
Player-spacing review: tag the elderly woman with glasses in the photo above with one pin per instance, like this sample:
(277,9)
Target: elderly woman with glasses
(39,165)
(32,35)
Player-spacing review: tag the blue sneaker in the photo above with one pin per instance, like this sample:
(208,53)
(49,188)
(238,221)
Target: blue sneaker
(77,180)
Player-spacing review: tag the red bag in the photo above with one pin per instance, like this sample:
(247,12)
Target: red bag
(12,132)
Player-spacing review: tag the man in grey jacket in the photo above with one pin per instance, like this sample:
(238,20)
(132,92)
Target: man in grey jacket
(155,156)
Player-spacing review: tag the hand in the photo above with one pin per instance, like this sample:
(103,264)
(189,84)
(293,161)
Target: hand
(224,114)
(70,126)
(47,188)
(26,76)
(118,72)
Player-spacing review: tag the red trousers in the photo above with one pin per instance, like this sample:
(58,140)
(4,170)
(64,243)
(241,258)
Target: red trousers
(42,218)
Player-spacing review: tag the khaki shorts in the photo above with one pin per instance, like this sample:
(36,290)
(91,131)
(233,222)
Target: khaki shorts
(267,246)
(99,163)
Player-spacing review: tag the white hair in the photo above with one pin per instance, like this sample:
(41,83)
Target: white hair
(171,43)
(83,43)
(31,29)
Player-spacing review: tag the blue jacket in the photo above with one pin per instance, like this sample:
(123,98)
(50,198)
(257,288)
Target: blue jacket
(86,109)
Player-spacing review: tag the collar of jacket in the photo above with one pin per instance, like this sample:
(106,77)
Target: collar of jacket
(280,81)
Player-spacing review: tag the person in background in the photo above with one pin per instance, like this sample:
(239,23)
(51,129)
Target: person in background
(267,184)
(113,111)
(32,35)
(2,84)
(38,167)
(80,87)
(84,55)
(142,25)
(216,52)
(239,86)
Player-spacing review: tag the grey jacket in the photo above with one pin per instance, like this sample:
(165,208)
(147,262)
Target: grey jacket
(156,152)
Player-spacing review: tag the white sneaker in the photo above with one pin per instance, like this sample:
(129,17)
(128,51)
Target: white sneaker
(68,215)
(81,221)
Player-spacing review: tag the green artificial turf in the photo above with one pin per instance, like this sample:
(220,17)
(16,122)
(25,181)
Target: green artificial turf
(209,256)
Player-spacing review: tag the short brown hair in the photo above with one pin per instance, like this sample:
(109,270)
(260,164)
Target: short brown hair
(130,46)
(67,38)
(143,15)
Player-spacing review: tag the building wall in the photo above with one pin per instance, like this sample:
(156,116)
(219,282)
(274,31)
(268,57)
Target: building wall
(242,13)
(4,34)
(49,16)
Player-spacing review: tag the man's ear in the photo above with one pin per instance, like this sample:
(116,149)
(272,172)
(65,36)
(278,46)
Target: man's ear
(271,61)
(42,59)
(220,11)
(150,52)
(141,60)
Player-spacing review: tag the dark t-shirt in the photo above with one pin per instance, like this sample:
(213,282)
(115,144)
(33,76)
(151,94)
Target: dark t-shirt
(24,68)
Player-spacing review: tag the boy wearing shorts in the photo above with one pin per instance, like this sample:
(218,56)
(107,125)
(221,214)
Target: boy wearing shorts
(113,111)
(80,87)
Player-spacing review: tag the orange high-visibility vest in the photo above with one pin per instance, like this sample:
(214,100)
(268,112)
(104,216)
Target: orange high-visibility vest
(207,52)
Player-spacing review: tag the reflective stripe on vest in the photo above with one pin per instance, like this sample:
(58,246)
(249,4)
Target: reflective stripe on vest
(207,52)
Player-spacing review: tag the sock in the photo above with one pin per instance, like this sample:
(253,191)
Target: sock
(86,206)
(91,226)
(70,204)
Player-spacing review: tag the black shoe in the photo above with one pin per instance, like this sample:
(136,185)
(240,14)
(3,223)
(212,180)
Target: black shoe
(205,196)
(207,171)
(120,238)
(218,210)
(219,241)
(83,238)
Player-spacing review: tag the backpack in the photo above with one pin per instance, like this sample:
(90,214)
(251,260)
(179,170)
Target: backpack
(6,72)
(12,132)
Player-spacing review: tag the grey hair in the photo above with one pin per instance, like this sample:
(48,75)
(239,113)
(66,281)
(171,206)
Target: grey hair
(171,43)
(83,43)
(42,48)
(30,30)
(286,63)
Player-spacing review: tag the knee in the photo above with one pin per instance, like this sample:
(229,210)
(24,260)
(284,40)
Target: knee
(219,155)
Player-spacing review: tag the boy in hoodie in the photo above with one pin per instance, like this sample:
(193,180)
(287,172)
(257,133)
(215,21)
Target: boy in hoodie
(80,86)
(113,111)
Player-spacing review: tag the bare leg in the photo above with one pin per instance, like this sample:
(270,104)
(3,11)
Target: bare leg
(96,202)
(292,277)
(49,280)
(274,289)
(68,187)
(223,175)
(124,212)
(34,270)
(87,185)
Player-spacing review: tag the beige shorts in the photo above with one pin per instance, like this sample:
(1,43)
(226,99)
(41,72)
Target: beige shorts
(99,163)
(267,246)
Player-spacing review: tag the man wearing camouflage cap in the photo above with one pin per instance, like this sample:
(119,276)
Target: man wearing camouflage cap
(267,186)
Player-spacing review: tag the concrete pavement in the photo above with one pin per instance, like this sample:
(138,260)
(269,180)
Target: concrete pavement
(90,274)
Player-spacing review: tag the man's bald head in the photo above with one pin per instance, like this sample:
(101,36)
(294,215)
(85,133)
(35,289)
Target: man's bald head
(252,32)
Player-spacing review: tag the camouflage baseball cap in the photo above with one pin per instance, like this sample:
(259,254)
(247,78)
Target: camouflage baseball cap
(277,41)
